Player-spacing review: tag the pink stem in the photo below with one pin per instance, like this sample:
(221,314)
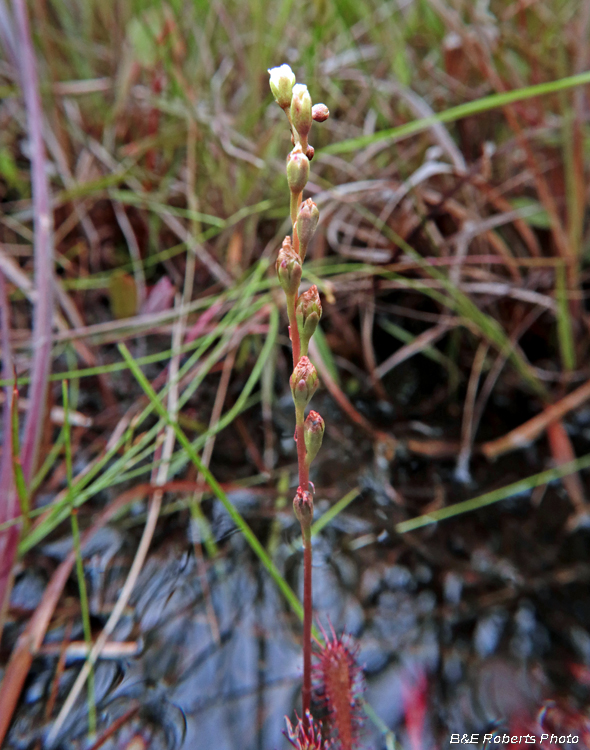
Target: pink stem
(307,620)
(8,501)
(307,590)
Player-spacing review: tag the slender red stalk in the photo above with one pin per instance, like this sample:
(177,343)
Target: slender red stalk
(304,487)
(307,568)
(307,622)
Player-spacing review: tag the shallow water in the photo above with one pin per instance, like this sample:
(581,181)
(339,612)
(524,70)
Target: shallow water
(480,619)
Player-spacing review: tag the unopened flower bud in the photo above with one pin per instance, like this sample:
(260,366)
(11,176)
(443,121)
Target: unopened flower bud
(320,112)
(301,110)
(313,431)
(297,170)
(307,221)
(288,268)
(304,383)
(308,312)
(303,508)
(310,152)
(282,80)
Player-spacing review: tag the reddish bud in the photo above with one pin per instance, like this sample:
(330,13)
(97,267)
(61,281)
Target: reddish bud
(307,221)
(297,170)
(288,267)
(303,508)
(320,112)
(313,432)
(308,312)
(304,383)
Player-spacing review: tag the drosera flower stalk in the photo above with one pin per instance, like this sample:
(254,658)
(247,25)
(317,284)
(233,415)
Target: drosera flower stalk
(304,312)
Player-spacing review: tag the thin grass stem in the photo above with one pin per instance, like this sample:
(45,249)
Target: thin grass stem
(503,493)
(85,609)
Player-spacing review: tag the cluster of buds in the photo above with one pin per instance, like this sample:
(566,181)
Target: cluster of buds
(295,101)
(304,310)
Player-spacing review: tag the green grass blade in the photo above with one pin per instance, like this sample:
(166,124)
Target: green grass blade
(85,609)
(565,334)
(428,351)
(486,103)
(19,477)
(334,510)
(215,487)
(510,490)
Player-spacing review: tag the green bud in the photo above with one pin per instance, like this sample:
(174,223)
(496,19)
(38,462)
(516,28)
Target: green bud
(301,110)
(282,80)
(313,430)
(304,383)
(297,170)
(288,267)
(307,221)
(320,113)
(308,312)
(303,508)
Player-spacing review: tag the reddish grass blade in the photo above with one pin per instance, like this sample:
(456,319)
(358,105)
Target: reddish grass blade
(43,312)
(8,501)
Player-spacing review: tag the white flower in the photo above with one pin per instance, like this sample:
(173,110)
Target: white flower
(282,81)
(300,90)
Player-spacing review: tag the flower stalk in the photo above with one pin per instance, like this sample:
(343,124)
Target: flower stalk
(304,312)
